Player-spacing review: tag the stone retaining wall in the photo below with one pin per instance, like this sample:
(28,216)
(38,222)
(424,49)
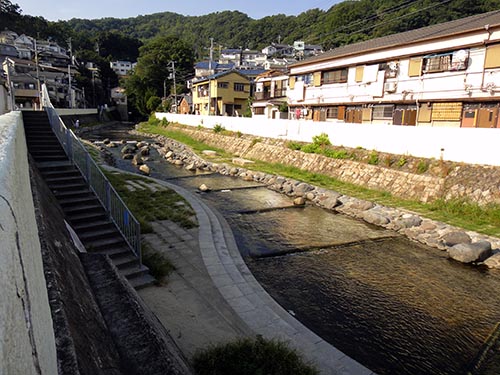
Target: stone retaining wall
(461,245)
(476,183)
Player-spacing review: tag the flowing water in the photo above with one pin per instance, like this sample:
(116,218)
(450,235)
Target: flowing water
(395,306)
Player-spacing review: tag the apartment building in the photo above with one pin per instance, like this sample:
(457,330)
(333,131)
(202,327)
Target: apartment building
(442,75)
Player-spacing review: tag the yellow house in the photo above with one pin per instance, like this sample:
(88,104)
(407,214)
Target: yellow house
(227,92)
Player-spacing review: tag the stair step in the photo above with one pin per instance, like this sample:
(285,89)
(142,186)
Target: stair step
(92,226)
(134,271)
(143,281)
(127,261)
(100,244)
(66,187)
(115,252)
(72,193)
(53,164)
(48,158)
(54,173)
(73,210)
(99,233)
(68,179)
(87,217)
(88,199)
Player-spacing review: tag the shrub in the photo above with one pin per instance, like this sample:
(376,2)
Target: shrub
(249,357)
(422,166)
(373,158)
(336,154)
(255,141)
(311,148)
(159,266)
(402,161)
(321,140)
(164,122)
(239,134)
(294,145)
(218,128)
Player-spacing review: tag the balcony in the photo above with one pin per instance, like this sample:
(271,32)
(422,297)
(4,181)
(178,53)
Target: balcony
(278,93)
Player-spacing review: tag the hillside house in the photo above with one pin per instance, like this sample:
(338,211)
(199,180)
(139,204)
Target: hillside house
(270,94)
(441,75)
(121,68)
(224,93)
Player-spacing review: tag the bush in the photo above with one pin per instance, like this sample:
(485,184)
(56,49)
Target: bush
(250,357)
(373,158)
(321,140)
(311,148)
(336,154)
(164,122)
(402,161)
(294,145)
(159,266)
(218,128)
(422,166)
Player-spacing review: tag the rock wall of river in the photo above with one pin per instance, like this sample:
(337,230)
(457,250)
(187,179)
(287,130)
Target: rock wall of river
(476,183)
(461,245)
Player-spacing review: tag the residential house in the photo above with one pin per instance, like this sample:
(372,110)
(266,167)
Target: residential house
(7,50)
(25,46)
(305,50)
(122,68)
(441,75)
(225,93)
(186,104)
(278,63)
(277,49)
(207,68)
(8,37)
(270,95)
(119,97)
(242,58)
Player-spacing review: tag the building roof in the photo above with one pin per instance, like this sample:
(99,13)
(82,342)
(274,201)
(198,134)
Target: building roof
(215,65)
(463,25)
(251,72)
(218,75)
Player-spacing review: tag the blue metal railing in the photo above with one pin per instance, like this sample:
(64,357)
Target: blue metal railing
(77,153)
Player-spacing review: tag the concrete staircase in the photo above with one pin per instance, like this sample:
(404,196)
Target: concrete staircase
(80,205)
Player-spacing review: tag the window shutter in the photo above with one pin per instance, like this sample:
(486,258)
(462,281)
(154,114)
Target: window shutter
(492,57)
(291,82)
(425,113)
(317,79)
(341,113)
(415,67)
(359,73)
(367,114)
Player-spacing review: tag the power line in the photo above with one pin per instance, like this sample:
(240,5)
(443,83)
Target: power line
(390,10)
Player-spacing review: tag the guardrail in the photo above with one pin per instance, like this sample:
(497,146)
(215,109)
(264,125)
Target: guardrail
(77,153)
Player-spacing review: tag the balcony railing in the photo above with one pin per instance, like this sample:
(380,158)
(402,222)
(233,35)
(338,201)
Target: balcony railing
(278,93)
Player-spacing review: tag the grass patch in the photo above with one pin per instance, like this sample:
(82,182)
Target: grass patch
(250,357)
(470,216)
(148,206)
(159,266)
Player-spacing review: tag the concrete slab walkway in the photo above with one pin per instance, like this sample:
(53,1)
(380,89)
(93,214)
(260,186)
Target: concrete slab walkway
(213,297)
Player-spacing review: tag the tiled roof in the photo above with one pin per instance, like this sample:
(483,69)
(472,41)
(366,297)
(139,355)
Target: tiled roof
(215,65)
(462,25)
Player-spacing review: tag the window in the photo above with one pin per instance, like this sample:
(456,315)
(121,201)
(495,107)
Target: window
(492,56)
(359,73)
(447,111)
(258,110)
(335,76)
(382,112)
(444,62)
(332,112)
(223,85)
(306,78)
(239,87)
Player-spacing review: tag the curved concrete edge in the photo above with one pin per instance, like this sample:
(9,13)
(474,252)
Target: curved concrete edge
(27,343)
(248,298)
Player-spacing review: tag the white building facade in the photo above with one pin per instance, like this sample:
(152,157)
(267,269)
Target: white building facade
(442,75)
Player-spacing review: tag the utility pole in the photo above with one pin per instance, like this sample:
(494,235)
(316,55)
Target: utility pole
(210,73)
(175,84)
(70,94)
(38,76)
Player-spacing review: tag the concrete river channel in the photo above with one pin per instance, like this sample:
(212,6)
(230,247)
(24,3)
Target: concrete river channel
(393,305)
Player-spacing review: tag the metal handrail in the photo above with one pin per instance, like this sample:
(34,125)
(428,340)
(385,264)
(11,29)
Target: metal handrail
(116,209)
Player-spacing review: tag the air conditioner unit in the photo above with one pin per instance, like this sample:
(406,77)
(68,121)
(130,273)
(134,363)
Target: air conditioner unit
(390,87)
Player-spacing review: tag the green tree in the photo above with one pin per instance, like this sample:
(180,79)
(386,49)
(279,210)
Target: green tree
(154,69)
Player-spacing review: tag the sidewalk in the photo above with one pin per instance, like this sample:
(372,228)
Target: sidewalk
(212,297)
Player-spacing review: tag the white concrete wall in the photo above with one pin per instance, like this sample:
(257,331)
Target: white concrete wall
(27,344)
(468,145)
(76,111)
(4,100)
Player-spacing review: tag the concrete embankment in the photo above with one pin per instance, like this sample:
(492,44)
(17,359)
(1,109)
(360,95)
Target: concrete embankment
(27,344)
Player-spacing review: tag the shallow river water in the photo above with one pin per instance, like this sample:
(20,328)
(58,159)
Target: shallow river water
(395,306)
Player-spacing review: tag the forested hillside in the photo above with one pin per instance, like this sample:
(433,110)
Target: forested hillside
(346,22)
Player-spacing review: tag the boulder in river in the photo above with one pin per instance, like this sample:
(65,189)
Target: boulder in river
(470,252)
(145,169)
(203,187)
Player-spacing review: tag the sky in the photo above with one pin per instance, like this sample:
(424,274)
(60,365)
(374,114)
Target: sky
(54,10)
